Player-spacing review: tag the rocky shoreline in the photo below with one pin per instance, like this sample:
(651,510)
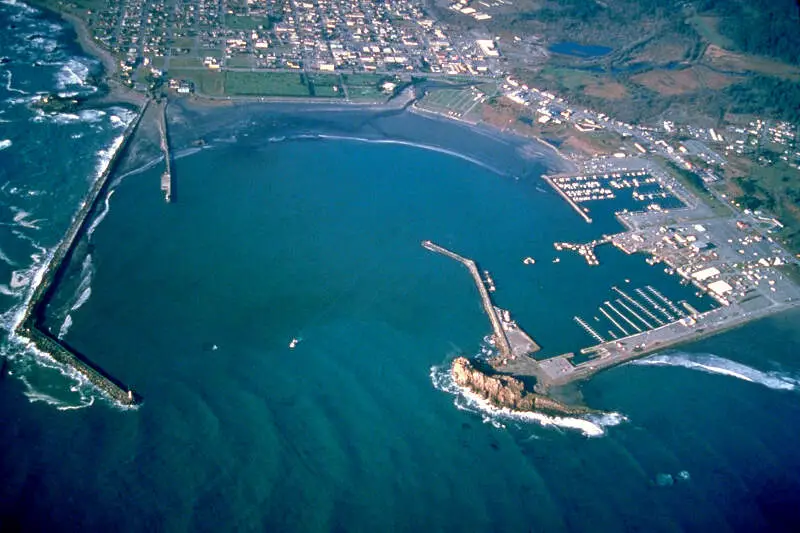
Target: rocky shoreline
(509,392)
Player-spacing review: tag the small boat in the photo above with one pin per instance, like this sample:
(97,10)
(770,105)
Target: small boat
(293,343)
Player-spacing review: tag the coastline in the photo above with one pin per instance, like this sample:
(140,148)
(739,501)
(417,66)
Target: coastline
(117,93)
(406,101)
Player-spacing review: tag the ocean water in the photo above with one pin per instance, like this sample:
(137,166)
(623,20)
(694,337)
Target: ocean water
(305,223)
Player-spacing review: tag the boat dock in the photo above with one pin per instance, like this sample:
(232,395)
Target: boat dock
(31,327)
(585,250)
(166,177)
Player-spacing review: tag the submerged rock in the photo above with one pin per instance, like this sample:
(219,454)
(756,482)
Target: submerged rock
(508,392)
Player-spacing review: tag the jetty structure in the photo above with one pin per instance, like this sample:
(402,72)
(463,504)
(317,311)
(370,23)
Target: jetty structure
(166,177)
(551,180)
(509,339)
(31,325)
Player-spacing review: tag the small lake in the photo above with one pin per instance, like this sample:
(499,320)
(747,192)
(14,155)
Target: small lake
(579,50)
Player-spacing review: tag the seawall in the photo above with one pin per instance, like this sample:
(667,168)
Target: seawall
(31,324)
(499,335)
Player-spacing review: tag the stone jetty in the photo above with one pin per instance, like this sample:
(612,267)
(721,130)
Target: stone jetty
(31,327)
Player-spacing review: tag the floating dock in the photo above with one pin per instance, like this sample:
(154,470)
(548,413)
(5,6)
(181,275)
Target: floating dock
(31,324)
(501,341)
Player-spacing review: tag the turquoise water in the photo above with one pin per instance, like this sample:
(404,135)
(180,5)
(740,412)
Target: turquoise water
(356,429)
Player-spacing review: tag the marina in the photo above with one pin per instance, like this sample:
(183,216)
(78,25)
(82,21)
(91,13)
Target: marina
(623,189)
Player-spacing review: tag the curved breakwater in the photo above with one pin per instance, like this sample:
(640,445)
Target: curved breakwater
(31,324)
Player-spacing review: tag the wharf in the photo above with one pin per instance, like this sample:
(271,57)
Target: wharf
(501,340)
(570,201)
(166,177)
(30,326)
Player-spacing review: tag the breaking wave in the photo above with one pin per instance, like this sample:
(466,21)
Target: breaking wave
(713,364)
(398,142)
(465,400)
(5,143)
(106,155)
(73,73)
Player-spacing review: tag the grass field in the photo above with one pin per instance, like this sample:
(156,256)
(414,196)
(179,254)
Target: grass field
(235,22)
(265,84)
(179,62)
(240,61)
(456,101)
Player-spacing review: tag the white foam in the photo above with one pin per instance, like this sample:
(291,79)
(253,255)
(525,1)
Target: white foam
(466,400)
(5,143)
(92,115)
(11,89)
(713,364)
(42,43)
(404,143)
(4,289)
(21,219)
(106,155)
(20,5)
(106,208)
(64,329)
(72,73)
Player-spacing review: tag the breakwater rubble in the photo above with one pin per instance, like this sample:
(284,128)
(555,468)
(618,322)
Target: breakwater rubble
(30,326)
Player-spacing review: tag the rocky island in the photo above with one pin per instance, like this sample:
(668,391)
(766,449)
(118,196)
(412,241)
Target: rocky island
(508,392)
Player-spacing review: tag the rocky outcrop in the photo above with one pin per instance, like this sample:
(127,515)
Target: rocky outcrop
(508,392)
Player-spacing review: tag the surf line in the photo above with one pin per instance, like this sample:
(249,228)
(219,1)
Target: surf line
(31,324)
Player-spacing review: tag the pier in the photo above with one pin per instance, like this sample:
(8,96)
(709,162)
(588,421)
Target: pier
(585,250)
(639,306)
(570,201)
(30,326)
(501,341)
(166,177)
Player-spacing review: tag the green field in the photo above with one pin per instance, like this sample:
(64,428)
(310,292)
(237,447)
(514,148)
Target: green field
(179,62)
(458,101)
(326,85)
(235,22)
(240,61)
(265,84)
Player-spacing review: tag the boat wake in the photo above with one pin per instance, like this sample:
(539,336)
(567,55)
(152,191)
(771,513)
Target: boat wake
(466,400)
(713,364)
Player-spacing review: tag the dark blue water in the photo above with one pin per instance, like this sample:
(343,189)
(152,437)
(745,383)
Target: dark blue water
(358,428)
(579,50)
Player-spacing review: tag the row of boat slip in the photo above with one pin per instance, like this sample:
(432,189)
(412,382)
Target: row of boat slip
(628,313)
(632,183)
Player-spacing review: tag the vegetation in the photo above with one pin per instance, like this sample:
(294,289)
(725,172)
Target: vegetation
(265,84)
